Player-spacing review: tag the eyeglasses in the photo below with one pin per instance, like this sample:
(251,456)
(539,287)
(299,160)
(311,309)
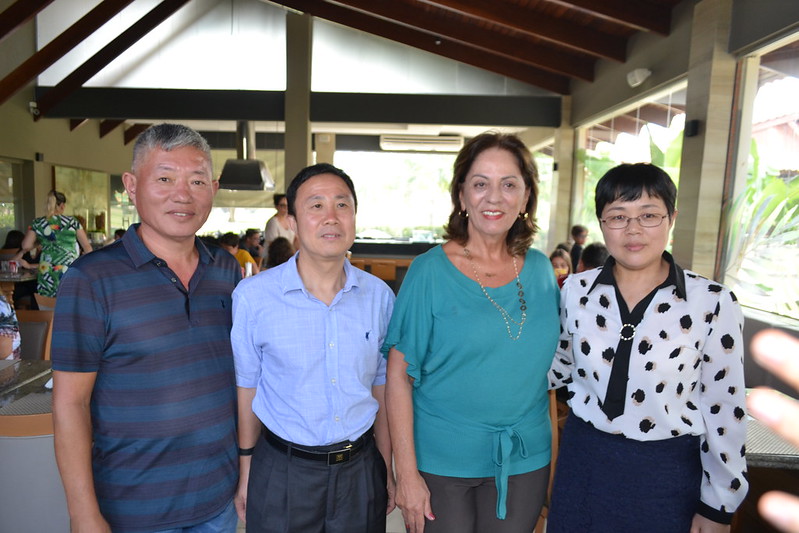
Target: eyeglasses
(647,220)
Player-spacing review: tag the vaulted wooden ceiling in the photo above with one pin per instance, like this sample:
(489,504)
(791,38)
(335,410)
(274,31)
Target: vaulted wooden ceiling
(545,43)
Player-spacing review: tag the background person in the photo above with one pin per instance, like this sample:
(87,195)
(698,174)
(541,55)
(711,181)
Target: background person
(562,264)
(278,225)
(58,234)
(778,353)
(579,234)
(467,398)
(23,291)
(251,241)
(144,398)
(594,256)
(9,331)
(652,356)
(230,242)
(280,250)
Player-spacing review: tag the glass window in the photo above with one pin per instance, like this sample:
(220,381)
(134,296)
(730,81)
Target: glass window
(401,196)
(762,232)
(9,170)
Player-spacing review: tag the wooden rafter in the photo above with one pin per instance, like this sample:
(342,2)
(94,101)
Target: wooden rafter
(512,46)
(75,123)
(132,132)
(109,125)
(58,47)
(639,14)
(554,29)
(18,14)
(424,41)
(107,54)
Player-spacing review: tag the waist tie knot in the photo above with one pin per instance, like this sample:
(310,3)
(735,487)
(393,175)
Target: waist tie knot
(503,446)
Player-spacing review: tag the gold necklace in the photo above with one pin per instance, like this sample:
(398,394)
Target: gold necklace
(505,315)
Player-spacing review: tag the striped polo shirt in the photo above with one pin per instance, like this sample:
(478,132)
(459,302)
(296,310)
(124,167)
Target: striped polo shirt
(164,401)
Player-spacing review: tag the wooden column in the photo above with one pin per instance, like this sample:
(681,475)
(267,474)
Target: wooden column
(299,38)
(711,79)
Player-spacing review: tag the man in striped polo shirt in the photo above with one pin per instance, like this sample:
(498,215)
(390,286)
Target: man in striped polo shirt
(144,399)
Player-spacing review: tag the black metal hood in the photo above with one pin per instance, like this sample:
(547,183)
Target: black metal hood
(245,173)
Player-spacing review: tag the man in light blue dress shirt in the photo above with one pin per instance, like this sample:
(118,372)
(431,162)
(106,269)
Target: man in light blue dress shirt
(306,338)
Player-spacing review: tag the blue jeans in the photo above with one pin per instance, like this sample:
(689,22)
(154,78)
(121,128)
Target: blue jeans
(224,522)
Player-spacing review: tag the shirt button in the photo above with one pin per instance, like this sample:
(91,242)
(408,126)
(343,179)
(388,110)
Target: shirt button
(337,419)
(333,380)
(174,280)
(331,344)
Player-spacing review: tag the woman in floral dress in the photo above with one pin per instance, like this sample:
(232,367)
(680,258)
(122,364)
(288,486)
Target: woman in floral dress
(58,234)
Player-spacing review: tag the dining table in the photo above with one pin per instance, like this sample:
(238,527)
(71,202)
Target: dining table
(8,281)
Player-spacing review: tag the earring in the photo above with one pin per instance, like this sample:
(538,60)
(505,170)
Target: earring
(463,213)
(523,216)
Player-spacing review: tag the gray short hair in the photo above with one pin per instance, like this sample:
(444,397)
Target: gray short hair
(168,137)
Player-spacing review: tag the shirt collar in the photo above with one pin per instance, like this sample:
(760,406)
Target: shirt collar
(293,282)
(676,276)
(141,255)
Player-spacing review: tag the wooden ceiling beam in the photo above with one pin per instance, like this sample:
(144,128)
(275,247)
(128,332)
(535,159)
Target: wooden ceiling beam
(639,14)
(18,14)
(75,123)
(134,131)
(423,41)
(554,29)
(107,54)
(513,47)
(109,125)
(59,47)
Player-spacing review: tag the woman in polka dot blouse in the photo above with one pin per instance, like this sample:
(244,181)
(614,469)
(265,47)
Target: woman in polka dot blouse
(652,356)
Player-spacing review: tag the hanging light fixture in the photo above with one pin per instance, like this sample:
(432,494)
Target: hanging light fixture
(246,172)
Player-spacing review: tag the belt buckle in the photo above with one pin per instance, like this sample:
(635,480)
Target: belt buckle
(339,456)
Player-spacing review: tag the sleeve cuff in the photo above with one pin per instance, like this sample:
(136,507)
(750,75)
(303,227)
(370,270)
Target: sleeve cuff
(722,517)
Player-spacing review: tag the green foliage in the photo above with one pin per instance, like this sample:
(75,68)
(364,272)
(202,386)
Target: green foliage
(762,241)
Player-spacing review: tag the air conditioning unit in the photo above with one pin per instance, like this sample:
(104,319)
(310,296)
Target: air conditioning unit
(421,143)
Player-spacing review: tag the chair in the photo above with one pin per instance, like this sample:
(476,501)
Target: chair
(358,263)
(385,270)
(7,253)
(36,332)
(540,526)
(45,303)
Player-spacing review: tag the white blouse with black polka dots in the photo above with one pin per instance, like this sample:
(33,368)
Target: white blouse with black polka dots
(685,371)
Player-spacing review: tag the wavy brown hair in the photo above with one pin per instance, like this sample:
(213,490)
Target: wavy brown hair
(520,236)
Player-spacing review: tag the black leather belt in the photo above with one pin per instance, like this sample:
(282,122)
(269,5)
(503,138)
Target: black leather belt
(332,455)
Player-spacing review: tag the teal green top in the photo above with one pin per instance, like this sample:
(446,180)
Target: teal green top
(480,401)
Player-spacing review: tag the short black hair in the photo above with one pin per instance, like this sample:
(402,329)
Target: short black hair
(594,255)
(315,170)
(578,229)
(229,239)
(628,182)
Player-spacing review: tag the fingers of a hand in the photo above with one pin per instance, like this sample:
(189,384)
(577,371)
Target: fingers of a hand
(779,353)
(781,509)
(776,410)
(414,522)
(428,510)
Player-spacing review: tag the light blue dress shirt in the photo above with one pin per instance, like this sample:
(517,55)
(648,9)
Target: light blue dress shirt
(313,366)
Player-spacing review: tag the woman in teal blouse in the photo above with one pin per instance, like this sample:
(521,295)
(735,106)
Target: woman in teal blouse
(473,332)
